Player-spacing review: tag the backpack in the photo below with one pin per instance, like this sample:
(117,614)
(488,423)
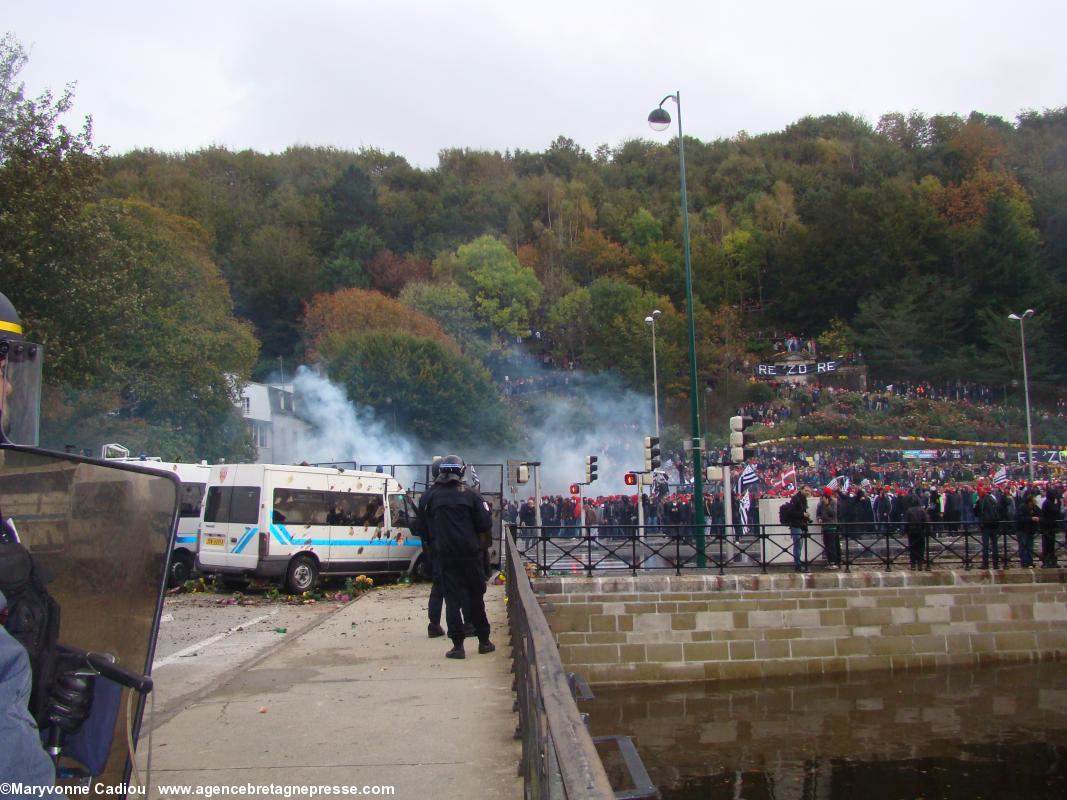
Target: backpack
(783,514)
(32,619)
(989,509)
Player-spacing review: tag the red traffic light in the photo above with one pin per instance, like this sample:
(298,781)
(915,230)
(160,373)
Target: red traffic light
(630,479)
(575,488)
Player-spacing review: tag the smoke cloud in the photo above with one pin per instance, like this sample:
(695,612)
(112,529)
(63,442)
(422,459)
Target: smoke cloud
(344,431)
(585,416)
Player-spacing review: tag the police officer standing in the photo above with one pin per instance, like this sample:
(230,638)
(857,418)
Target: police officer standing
(437,592)
(456,515)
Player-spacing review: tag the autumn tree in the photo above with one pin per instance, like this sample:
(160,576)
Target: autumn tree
(330,319)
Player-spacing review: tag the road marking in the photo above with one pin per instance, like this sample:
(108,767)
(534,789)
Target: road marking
(209,641)
(167,618)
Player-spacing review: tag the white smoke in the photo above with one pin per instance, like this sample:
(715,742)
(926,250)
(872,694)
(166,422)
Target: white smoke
(344,431)
(592,415)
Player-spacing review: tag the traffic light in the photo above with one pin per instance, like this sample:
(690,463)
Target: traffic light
(575,488)
(652,460)
(740,442)
(522,474)
(590,469)
(630,479)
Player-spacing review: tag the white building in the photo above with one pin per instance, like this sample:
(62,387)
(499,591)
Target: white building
(279,434)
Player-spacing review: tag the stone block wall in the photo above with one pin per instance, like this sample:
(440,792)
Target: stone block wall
(649,629)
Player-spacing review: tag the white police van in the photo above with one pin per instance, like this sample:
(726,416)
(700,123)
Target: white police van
(193,479)
(293,524)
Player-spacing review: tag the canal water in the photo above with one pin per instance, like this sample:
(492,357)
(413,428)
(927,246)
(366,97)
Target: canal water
(996,732)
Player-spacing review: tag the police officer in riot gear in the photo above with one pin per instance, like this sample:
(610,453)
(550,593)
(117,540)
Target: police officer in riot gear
(436,602)
(456,515)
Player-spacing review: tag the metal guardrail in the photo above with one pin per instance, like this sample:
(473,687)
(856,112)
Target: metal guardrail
(865,545)
(559,757)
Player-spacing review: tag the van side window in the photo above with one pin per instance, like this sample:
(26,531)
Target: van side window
(191,496)
(401,511)
(295,507)
(238,504)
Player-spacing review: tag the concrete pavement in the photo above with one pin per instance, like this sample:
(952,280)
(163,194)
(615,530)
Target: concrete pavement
(362,699)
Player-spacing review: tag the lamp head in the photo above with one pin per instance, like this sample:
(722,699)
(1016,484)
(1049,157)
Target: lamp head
(659,119)
(657,314)
(649,320)
(1019,318)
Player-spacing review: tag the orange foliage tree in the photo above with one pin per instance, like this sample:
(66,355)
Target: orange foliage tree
(331,319)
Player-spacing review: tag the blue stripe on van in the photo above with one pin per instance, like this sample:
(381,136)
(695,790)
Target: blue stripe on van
(241,545)
(282,536)
(186,539)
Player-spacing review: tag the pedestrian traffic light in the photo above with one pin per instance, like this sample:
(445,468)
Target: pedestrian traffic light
(652,460)
(740,441)
(630,479)
(590,469)
(575,488)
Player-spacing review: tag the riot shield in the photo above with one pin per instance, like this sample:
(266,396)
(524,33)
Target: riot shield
(104,532)
(20,391)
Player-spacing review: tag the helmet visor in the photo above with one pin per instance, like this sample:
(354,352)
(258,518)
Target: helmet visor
(20,391)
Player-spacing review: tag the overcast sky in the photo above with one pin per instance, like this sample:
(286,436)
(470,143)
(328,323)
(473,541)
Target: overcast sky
(415,76)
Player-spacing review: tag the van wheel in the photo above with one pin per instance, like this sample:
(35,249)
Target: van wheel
(303,575)
(181,569)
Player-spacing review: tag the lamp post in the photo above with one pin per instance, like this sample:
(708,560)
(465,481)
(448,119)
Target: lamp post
(651,320)
(660,120)
(1026,389)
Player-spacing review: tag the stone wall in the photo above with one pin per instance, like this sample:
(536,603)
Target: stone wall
(710,627)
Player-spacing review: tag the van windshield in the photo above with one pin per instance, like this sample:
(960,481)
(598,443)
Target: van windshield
(191,495)
(238,504)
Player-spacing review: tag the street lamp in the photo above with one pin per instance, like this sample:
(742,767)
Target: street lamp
(1026,389)
(660,120)
(651,320)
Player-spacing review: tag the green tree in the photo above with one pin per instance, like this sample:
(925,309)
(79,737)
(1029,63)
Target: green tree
(439,396)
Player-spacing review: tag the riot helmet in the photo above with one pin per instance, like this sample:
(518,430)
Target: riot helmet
(20,380)
(435,467)
(451,468)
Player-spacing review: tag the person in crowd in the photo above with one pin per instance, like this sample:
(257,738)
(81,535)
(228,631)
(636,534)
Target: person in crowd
(1051,511)
(989,514)
(794,514)
(1027,520)
(826,516)
(917,528)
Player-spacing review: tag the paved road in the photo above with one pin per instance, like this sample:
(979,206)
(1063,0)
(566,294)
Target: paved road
(203,642)
(358,696)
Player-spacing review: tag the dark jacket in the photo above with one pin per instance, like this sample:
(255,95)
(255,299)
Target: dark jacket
(1027,518)
(916,519)
(795,512)
(456,514)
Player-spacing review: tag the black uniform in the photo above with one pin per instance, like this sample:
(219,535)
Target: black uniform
(456,514)
(437,591)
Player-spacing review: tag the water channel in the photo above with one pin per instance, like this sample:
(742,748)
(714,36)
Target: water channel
(996,732)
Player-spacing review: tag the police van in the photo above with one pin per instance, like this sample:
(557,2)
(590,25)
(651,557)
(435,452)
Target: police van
(193,479)
(293,524)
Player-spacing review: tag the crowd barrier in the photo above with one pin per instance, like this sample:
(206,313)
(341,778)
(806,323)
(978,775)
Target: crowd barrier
(764,547)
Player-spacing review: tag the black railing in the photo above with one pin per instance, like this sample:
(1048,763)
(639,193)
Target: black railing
(861,545)
(559,757)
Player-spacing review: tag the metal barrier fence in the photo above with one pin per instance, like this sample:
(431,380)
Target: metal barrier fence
(887,546)
(559,757)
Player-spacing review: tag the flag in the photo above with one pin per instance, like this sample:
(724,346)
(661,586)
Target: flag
(743,507)
(840,482)
(748,477)
(787,479)
(1001,477)
(476,482)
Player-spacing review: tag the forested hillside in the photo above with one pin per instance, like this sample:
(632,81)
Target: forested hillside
(909,239)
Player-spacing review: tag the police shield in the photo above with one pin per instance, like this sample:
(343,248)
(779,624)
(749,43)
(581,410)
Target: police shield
(20,390)
(103,531)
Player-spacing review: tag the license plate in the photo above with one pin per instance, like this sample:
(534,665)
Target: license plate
(215,541)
